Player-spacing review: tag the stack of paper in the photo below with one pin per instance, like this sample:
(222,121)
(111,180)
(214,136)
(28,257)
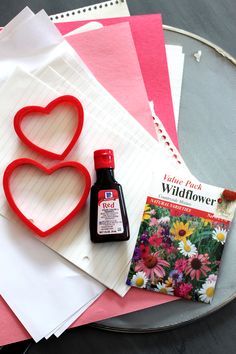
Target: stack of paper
(149,43)
(38,65)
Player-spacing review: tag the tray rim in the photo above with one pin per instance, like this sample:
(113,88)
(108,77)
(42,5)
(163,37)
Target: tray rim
(218,49)
(101,325)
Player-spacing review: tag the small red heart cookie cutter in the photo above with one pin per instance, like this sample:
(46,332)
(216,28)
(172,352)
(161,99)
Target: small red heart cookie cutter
(24,161)
(23,112)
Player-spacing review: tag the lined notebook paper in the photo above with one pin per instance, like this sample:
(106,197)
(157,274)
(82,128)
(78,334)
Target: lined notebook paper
(73,241)
(107,9)
(129,128)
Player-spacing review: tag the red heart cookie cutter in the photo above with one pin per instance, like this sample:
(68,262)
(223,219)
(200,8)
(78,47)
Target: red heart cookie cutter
(23,112)
(24,161)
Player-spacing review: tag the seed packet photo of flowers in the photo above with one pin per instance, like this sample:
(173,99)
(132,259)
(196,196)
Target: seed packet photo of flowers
(178,252)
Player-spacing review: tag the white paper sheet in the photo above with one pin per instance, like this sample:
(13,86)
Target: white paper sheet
(65,324)
(175,62)
(40,286)
(17,50)
(22,17)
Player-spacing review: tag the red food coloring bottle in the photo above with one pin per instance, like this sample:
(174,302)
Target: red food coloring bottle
(108,216)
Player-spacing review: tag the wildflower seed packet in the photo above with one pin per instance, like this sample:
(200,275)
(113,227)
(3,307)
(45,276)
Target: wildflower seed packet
(180,242)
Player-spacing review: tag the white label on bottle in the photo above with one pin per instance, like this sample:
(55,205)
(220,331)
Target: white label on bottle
(109,213)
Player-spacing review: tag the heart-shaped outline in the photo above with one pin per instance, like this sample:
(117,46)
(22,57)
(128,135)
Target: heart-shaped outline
(24,161)
(23,112)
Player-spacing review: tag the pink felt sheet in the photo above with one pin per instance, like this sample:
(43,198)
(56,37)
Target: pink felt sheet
(148,38)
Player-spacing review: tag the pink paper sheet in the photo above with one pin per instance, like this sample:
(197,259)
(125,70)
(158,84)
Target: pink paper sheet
(11,329)
(110,304)
(114,63)
(148,38)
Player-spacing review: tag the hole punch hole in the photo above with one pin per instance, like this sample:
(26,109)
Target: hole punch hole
(86,259)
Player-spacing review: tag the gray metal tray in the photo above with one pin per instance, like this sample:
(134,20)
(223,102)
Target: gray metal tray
(207,139)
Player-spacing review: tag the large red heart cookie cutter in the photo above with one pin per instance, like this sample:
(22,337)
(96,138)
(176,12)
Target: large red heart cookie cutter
(24,161)
(23,112)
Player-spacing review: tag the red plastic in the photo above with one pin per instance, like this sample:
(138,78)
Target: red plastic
(23,112)
(229,196)
(104,159)
(24,161)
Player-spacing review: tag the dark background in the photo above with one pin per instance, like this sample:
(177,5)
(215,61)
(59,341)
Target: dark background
(215,21)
